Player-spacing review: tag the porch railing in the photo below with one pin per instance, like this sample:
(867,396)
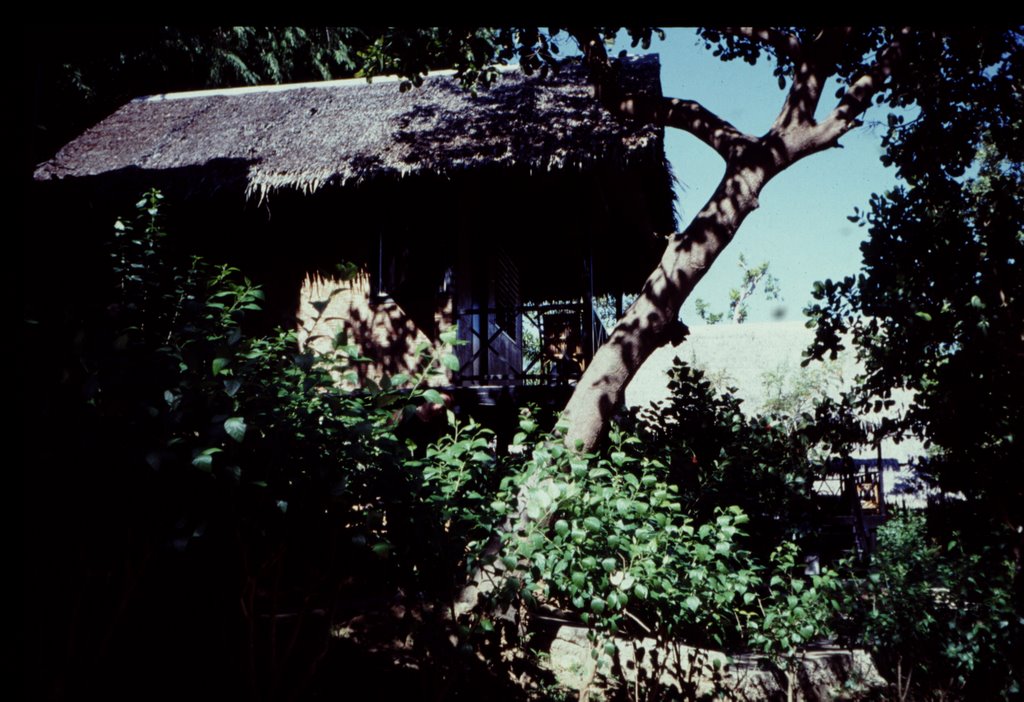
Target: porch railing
(529,344)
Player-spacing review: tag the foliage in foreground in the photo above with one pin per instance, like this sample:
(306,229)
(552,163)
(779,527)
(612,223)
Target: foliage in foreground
(237,515)
(608,537)
(229,506)
(939,618)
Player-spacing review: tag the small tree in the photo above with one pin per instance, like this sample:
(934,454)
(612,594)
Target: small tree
(753,276)
(807,57)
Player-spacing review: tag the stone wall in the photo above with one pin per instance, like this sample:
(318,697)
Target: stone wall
(677,670)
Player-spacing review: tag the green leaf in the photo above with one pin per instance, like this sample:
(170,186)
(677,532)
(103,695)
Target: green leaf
(219,364)
(203,463)
(692,603)
(450,362)
(433,396)
(204,460)
(235,427)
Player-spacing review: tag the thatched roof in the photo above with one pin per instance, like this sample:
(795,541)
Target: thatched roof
(308,136)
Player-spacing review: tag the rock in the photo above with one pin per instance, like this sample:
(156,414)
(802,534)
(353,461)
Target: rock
(826,673)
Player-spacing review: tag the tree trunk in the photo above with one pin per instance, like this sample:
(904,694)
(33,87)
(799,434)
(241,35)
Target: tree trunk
(646,325)
(750,163)
(649,321)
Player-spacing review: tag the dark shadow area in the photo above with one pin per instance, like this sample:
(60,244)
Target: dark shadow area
(132,589)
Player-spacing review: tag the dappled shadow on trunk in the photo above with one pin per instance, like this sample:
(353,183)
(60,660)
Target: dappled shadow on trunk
(652,319)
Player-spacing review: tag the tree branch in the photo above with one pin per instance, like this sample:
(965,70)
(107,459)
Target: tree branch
(812,66)
(857,97)
(688,115)
(783,42)
(804,95)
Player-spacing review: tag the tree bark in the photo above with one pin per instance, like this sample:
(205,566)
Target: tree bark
(649,321)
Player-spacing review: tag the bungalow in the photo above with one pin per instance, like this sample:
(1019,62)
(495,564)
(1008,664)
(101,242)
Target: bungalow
(504,213)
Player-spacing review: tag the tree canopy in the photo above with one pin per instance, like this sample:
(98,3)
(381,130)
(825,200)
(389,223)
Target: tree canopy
(937,307)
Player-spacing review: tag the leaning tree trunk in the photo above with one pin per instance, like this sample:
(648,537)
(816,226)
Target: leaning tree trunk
(750,163)
(648,322)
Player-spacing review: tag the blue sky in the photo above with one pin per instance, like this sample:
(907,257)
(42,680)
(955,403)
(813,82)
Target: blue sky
(801,227)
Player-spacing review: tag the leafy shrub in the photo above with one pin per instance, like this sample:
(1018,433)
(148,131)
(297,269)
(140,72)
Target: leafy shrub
(939,619)
(605,537)
(254,501)
(222,498)
(717,456)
